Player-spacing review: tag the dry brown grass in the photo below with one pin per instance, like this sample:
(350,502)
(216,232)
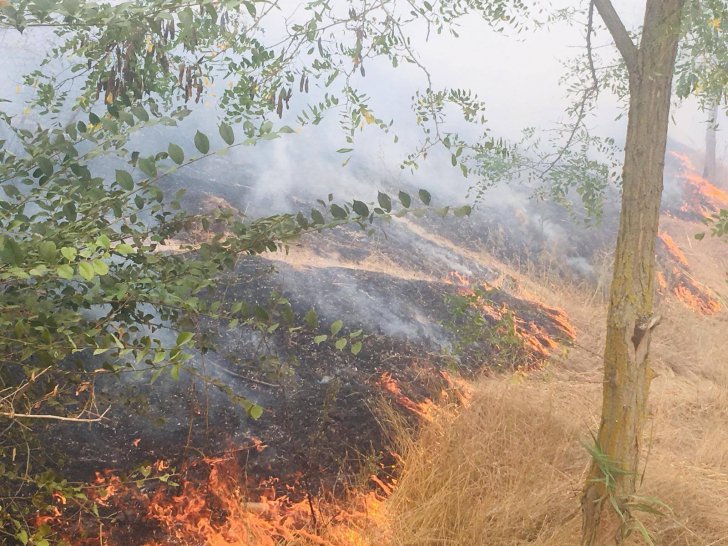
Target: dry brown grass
(507,469)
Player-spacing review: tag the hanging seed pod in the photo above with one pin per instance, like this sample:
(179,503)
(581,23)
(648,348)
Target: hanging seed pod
(181,73)
(306,86)
(302,82)
(279,109)
(199,91)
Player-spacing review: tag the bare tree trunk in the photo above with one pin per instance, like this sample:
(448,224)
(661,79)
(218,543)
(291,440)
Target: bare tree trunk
(614,472)
(710,144)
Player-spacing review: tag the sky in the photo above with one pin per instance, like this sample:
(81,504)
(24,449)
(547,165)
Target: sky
(518,76)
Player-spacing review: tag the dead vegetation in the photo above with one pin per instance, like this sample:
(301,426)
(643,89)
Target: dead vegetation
(508,468)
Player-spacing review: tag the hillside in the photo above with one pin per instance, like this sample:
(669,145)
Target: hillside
(478,378)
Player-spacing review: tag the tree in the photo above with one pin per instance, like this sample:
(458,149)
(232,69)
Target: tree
(609,499)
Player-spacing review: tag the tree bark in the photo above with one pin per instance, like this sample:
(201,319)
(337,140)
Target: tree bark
(613,475)
(710,144)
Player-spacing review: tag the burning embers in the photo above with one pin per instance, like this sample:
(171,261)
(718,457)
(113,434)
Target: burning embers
(677,278)
(212,502)
(701,198)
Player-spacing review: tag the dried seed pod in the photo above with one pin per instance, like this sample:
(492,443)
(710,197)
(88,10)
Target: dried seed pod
(279,109)
(306,87)
(302,82)
(181,73)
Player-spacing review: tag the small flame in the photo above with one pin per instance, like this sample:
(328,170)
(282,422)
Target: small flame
(534,336)
(676,276)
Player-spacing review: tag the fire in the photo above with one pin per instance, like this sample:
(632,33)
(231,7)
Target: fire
(676,277)
(536,339)
(672,249)
(702,199)
(215,503)
(424,409)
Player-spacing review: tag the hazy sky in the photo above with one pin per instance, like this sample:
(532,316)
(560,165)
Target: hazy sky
(518,76)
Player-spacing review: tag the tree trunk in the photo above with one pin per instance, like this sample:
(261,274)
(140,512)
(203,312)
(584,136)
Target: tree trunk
(613,476)
(710,144)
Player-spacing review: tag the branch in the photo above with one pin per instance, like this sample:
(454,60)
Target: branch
(619,33)
(13,415)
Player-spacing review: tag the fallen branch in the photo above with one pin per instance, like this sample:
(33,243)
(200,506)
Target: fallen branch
(13,415)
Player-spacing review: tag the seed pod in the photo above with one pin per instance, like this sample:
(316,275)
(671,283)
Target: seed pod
(302,83)
(181,73)
(306,87)
(279,109)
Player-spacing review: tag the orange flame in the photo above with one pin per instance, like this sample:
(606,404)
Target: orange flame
(535,338)
(703,199)
(676,277)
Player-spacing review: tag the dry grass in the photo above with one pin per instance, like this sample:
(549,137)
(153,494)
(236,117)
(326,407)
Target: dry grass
(507,469)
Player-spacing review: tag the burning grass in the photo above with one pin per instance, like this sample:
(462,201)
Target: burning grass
(508,468)
(676,277)
(211,501)
(702,199)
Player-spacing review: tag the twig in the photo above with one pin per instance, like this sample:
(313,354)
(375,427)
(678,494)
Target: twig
(13,415)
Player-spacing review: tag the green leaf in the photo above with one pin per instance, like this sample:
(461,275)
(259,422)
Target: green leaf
(361,209)
(100,267)
(65,271)
(86,270)
(48,251)
(140,112)
(255,411)
(465,210)
(341,343)
(124,249)
(356,348)
(45,165)
(11,251)
(318,340)
(184,337)
(425,196)
(384,201)
(124,180)
(176,153)
(226,132)
(405,199)
(202,143)
(69,253)
(148,166)
(317,217)
(700,236)
(338,213)
(336,327)
(311,319)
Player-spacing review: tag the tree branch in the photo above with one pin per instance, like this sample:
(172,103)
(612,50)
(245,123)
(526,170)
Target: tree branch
(619,33)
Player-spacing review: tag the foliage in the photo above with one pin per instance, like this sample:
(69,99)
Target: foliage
(103,271)
(484,330)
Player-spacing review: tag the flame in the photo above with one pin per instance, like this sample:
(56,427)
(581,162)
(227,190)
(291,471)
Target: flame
(702,199)
(676,276)
(672,249)
(215,503)
(424,409)
(536,339)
